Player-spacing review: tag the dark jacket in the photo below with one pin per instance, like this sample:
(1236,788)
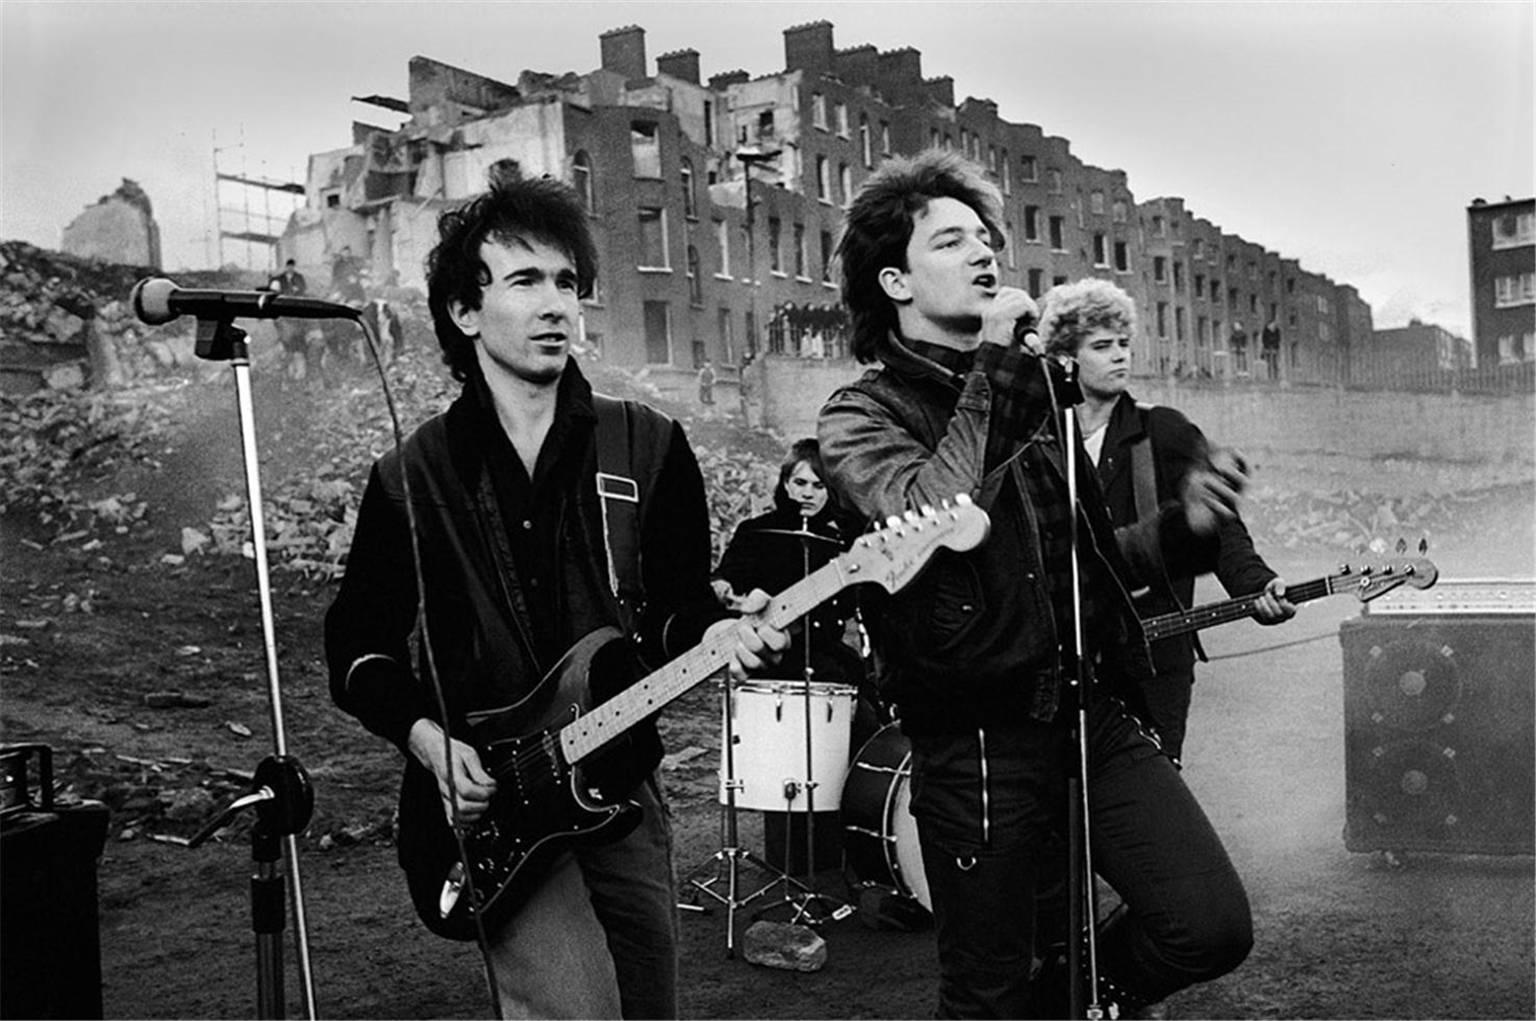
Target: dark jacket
(1177,446)
(483,638)
(758,557)
(973,641)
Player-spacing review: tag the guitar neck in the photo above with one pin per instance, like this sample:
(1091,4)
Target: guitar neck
(1184,621)
(606,722)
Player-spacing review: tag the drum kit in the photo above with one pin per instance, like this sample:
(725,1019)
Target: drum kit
(785,748)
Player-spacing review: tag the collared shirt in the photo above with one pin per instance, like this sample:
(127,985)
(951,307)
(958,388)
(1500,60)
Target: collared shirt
(531,509)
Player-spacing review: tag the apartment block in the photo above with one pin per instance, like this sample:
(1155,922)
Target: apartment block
(717,204)
(1501,244)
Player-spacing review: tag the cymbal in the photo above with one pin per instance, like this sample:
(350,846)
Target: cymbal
(800,533)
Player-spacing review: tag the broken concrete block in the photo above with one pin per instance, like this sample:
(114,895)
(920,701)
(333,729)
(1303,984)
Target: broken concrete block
(781,945)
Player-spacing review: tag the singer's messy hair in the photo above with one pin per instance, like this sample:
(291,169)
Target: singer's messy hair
(879,226)
(1069,312)
(514,208)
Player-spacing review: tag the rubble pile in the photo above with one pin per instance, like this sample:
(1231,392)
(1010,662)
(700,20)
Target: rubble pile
(1354,519)
(55,307)
(54,443)
(310,516)
(59,447)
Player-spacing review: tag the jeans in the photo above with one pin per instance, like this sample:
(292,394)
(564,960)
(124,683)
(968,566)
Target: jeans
(599,937)
(991,811)
(1167,698)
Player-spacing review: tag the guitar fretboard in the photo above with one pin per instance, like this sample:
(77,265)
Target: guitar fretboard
(1169,624)
(586,734)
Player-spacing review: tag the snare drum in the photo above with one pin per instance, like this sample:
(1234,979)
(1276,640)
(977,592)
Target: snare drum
(879,833)
(769,752)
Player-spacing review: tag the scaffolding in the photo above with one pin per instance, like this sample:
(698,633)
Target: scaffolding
(250,210)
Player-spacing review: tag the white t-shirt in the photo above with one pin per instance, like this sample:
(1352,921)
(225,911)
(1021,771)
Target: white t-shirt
(1094,442)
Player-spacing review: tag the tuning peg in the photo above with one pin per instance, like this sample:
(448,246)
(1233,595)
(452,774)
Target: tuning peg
(1402,545)
(928,510)
(1423,545)
(946,503)
(963,499)
(894,521)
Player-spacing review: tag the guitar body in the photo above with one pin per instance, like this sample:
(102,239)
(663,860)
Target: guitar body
(543,805)
(567,756)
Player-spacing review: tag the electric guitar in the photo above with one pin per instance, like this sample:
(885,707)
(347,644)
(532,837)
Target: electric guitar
(544,749)
(1365,582)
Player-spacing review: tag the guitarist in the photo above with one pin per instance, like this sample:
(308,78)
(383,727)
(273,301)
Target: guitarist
(1145,456)
(513,550)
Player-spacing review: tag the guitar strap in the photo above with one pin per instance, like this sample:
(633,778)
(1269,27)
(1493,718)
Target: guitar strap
(1143,478)
(1144,483)
(619,500)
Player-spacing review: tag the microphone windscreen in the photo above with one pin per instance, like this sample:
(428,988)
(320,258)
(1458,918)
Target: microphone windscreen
(151,300)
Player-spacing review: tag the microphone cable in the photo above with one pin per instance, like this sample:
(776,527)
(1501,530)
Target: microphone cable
(481,937)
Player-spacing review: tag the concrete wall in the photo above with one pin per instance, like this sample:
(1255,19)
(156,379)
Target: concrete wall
(1364,424)
(113,231)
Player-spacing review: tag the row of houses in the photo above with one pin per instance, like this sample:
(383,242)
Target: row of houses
(716,204)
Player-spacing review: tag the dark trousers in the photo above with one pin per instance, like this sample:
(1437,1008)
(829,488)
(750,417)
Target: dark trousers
(991,808)
(1167,698)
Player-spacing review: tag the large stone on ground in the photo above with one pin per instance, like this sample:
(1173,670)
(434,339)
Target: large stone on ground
(781,945)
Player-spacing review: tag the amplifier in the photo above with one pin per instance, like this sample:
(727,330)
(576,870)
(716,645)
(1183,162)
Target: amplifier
(51,967)
(1440,719)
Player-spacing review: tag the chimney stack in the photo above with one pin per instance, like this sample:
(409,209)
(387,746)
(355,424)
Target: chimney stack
(624,51)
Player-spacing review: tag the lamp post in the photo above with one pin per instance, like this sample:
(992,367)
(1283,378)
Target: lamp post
(750,158)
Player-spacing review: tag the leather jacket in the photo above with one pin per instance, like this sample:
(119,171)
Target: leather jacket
(483,643)
(1177,446)
(973,640)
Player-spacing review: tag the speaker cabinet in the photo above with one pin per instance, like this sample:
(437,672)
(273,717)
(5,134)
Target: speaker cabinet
(1439,740)
(51,965)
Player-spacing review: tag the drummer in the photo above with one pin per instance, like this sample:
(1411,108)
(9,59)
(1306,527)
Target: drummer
(805,529)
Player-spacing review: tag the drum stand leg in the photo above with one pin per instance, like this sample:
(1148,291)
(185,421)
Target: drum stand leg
(723,868)
(811,907)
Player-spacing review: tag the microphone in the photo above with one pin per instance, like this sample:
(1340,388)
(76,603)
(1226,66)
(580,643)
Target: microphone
(1025,335)
(157,300)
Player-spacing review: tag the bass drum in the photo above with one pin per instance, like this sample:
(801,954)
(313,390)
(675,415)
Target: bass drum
(879,834)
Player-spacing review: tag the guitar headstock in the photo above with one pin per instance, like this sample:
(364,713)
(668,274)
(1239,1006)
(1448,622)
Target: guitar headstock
(1378,577)
(897,552)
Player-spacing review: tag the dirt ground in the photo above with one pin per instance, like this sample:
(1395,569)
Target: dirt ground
(96,628)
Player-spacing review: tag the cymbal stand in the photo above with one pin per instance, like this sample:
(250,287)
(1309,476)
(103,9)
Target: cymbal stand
(809,901)
(281,794)
(724,866)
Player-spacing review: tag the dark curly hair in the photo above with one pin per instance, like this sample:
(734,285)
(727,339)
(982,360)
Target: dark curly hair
(879,226)
(515,208)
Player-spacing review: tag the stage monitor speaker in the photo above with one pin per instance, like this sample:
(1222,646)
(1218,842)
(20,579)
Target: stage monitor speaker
(1440,727)
(51,964)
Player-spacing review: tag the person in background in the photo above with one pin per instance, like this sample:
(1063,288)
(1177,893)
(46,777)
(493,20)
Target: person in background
(762,555)
(292,334)
(1144,453)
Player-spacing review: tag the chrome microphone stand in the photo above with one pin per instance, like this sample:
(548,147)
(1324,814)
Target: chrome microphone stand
(1081,890)
(281,793)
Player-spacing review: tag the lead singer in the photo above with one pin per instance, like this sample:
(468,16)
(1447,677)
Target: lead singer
(973,651)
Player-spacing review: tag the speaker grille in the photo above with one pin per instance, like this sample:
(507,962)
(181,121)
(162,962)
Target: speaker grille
(1439,737)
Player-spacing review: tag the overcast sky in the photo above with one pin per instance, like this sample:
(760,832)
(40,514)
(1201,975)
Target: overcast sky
(1350,135)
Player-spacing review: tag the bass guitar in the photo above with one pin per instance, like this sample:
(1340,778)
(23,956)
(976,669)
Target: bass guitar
(544,749)
(1364,581)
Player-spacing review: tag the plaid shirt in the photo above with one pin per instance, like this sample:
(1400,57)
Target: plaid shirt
(1021,426)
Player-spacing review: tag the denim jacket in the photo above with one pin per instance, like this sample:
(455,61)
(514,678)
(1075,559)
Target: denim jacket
(972,641)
